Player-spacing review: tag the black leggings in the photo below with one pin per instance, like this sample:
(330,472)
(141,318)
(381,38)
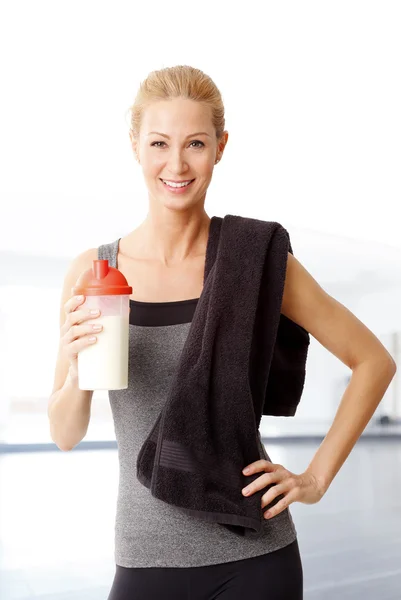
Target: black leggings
(274,576)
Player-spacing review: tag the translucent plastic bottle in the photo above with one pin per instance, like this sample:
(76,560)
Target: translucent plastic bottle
(104,364)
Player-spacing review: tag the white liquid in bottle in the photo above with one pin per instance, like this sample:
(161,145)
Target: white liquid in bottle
(103,365)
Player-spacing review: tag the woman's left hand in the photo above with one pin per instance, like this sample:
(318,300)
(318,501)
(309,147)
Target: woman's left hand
(296,488)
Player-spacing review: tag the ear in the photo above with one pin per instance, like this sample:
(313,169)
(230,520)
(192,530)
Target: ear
(223,141)
(134,144)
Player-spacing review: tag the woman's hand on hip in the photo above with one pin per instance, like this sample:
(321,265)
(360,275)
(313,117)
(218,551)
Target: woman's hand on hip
(296,488)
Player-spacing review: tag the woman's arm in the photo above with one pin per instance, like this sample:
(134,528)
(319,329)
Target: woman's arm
(345,336)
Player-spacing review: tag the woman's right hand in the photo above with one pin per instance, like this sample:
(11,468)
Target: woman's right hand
(75,334)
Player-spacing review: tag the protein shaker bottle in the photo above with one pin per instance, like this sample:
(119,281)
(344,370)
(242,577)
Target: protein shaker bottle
(104,364)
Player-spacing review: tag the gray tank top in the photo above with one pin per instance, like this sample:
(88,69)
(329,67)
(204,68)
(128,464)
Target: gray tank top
(148,531)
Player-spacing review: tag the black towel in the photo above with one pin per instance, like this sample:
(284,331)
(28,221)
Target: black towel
(241,359)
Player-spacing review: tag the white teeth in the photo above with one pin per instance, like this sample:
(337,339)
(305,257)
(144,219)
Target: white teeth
(171,184)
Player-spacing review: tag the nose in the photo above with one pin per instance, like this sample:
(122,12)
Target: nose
(176,163)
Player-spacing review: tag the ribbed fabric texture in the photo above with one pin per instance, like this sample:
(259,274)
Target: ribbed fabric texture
(148,531)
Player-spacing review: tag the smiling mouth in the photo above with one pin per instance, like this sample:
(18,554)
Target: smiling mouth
(186,181)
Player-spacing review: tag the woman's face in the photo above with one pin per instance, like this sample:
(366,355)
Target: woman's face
(186,151)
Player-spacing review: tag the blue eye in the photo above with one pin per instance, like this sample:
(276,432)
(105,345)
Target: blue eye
(194,142)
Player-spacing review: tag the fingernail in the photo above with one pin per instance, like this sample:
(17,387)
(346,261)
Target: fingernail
(246,470)
(246,491)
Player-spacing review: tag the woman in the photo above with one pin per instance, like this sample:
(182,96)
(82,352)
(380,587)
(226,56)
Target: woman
(177,135)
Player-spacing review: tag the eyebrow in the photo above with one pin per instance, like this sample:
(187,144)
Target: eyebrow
(188,136)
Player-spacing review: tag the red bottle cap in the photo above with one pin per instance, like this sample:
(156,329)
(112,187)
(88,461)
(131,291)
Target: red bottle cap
(101,280)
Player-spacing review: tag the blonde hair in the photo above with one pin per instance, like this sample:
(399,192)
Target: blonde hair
(173,82)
